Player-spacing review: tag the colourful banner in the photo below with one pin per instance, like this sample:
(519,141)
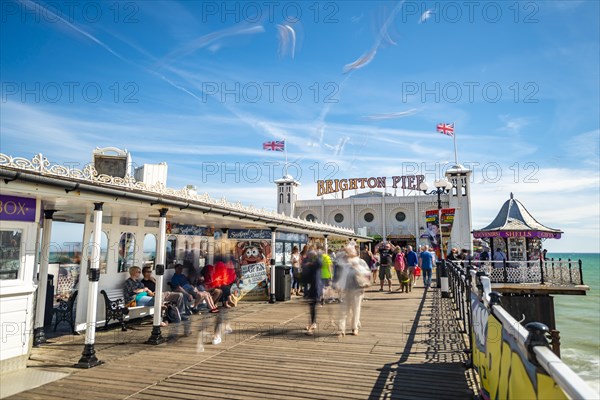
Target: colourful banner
(434,233)
(13,208)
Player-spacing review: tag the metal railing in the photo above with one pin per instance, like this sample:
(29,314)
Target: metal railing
(553,272)
(471,288)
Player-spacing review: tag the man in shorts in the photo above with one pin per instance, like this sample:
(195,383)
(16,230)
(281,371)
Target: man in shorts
(386,261)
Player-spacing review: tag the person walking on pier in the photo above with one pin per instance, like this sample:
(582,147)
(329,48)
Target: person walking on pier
(295,271)
(426,260)
(355,277)
(311,276)
(412,261)
(385,269)
(400,267)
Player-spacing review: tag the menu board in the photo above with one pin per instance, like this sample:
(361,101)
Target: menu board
(253,285)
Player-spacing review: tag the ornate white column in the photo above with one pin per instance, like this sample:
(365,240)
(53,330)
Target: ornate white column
(156,336)
(88,356)
(39,336)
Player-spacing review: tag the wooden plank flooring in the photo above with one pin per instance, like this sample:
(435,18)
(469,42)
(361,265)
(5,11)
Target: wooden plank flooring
(409,347)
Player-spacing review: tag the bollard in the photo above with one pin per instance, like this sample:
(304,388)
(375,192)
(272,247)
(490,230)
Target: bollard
(537,337)
(555,341)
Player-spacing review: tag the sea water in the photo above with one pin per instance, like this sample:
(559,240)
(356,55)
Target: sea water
(578,320)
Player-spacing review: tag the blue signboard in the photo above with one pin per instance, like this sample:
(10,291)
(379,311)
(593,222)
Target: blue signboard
(189,230)
(249,234)
(292,237)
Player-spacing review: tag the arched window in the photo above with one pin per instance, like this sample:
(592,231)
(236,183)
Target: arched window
(171,252)
(149,251)
(126,252)
(281,197)
(288,198)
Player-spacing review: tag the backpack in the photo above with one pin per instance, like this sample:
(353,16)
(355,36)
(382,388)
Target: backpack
(363,274)
(172,314)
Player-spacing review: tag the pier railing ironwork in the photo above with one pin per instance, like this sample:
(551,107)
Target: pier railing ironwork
(552,272)
(480,312)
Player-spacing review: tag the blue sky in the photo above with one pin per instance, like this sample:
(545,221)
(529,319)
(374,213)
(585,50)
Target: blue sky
(356,88)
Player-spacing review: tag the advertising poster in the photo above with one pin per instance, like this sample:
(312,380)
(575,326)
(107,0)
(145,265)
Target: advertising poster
(437,230)
(253,285)
(253,258)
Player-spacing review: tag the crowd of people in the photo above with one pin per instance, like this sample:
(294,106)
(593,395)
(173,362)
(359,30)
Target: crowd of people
(343,276)
(318,276)
(188,292)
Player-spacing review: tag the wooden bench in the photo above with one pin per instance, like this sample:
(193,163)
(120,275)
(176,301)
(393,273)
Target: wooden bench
(64,312)
(115,308)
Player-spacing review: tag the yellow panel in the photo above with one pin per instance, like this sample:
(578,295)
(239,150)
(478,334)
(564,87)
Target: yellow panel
(520,386)
(494,350)
(548,389)
(504,372)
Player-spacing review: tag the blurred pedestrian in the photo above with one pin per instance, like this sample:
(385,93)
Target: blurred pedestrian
(355,278)
(311,276)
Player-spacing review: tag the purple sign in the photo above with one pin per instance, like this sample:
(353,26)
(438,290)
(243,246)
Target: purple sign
(509,234)
(14,208)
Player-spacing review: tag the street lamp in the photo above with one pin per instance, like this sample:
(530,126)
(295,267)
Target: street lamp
(442,186)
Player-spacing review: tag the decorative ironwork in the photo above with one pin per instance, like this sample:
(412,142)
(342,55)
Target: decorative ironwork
(88,174)
(65,312)
(554,272)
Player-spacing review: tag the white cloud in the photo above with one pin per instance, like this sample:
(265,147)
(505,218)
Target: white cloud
(425,16)
(585,147)
(513,125)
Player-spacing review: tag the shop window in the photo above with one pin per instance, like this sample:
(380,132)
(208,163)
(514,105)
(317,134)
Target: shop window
(171,252)
(279,253)
(369,217)
(10,253)
(126,252)
(287,253)
(339,218)
(400,216)
(128,221)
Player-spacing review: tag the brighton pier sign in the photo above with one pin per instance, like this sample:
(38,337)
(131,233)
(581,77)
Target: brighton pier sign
(411,182)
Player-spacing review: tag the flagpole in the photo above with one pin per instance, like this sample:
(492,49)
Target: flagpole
(455,152)
(286,159)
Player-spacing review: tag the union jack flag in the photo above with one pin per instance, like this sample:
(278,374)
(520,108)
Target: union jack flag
(446,129)
(275,145)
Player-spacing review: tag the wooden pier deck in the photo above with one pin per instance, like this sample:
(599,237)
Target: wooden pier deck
(409,347)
